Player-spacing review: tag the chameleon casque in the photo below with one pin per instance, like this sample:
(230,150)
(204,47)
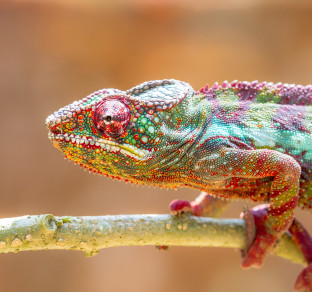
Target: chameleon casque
(238,140)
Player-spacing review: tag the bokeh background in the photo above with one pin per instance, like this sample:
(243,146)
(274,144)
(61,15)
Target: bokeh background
(54,52)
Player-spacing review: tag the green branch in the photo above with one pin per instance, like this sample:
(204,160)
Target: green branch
(90,234)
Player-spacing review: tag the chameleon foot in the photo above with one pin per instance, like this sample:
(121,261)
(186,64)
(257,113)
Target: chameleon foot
(256,243)
(254,220)
(180,207)
(257,252)
(203,205)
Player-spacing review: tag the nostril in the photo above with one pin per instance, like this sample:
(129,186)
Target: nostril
(56,129)
(53,123)
(52,120)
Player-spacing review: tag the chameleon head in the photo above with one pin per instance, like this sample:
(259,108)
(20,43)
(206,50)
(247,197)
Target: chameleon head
(122,134)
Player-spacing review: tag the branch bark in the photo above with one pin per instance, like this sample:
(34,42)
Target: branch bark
(92,233)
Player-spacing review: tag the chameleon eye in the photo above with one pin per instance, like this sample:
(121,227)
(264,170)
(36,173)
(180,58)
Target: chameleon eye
(111,117)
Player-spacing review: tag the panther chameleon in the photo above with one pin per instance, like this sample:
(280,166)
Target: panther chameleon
(237,140)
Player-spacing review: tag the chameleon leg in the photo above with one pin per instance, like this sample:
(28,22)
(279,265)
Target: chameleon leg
(203,205)
(301,238)
(230,163)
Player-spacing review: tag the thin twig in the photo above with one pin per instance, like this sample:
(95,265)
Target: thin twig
(92,233)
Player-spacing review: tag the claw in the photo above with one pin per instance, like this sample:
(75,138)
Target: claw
(162,247)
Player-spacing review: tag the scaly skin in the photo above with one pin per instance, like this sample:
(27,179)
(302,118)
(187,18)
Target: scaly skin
(239,140)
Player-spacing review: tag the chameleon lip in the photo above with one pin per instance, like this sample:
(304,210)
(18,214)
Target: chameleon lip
(104,144)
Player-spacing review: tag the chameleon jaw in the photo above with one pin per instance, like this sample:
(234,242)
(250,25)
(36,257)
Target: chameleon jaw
(99,143)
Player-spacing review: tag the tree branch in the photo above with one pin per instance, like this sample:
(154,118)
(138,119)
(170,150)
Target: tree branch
(90,234)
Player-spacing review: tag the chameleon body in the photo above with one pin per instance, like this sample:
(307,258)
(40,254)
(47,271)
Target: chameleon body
(238,140)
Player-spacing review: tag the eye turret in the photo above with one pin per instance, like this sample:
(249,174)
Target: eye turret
(111,117)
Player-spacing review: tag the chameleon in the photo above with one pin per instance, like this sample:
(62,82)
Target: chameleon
(237,140)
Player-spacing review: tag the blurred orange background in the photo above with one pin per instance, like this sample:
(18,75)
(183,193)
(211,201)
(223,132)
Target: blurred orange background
(52,53)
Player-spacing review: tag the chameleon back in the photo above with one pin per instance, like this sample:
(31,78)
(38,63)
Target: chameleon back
(272,116)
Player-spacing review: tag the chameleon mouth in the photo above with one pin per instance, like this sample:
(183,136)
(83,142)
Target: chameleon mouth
(99,143)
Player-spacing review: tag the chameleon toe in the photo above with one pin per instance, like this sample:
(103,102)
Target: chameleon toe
(178,207)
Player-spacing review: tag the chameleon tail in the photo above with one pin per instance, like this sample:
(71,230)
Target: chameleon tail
(304,242)
(302,238)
